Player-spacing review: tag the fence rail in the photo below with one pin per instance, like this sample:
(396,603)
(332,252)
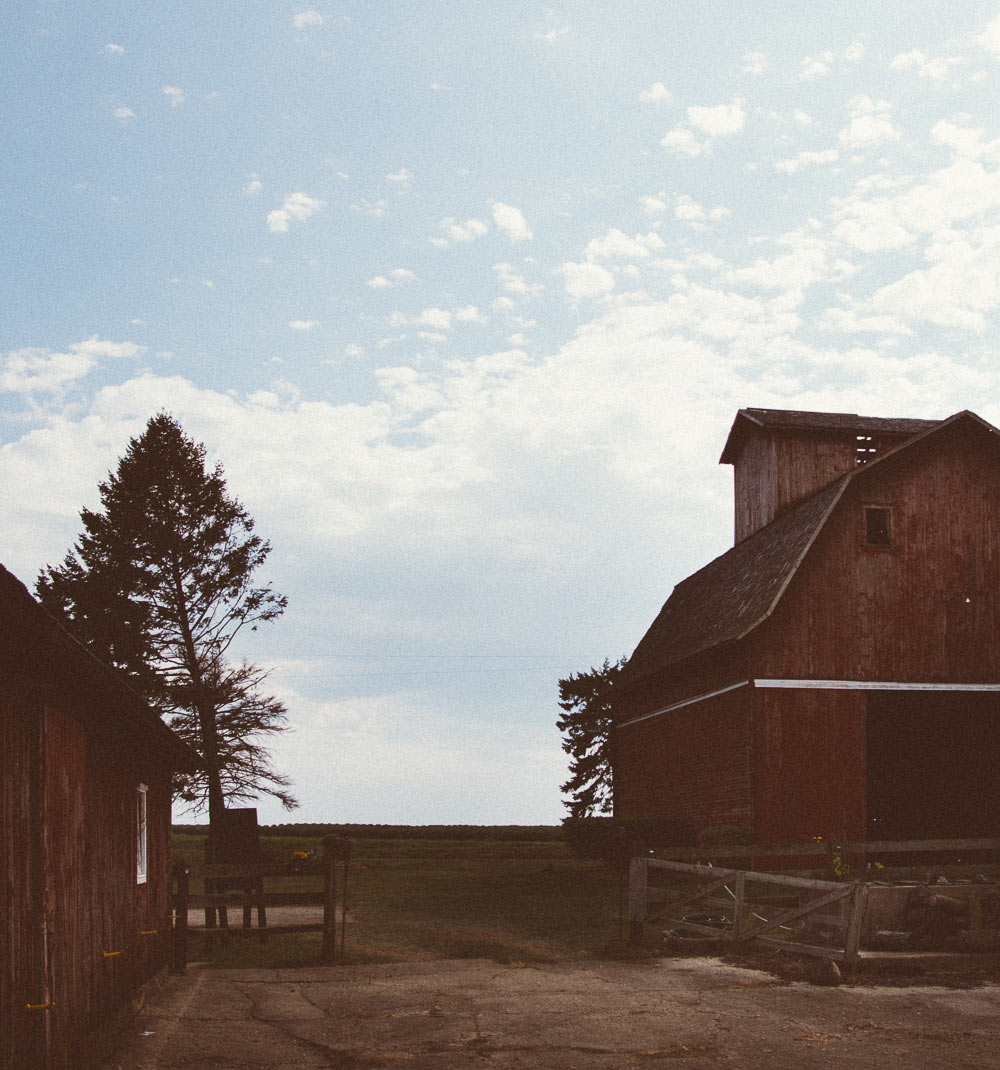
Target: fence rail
(219,895)
(836,907)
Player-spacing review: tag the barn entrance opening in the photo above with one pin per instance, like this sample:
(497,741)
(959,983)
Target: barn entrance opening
(933,764)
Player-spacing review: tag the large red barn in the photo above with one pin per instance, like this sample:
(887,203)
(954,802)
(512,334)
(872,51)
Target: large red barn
(85,791)
(837,672)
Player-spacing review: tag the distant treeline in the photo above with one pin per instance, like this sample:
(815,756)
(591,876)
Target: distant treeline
(404,832)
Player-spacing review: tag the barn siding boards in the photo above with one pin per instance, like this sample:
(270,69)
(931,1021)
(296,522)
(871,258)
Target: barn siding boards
(808,597)
(810,765)
(715,788)
(76,743)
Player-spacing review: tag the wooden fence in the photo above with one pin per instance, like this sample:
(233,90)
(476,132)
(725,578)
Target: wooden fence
(242,887)
(742,905)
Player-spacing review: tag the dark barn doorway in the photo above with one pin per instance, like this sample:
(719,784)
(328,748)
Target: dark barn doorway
(933,764)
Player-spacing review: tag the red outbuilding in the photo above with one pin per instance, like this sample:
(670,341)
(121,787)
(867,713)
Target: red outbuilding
(85,792)
(837,672)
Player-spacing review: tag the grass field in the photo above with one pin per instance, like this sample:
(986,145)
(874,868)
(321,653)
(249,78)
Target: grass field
(412,898)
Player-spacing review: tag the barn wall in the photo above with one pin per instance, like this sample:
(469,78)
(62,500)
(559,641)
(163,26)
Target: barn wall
(22,981)
(924,609)
(691,764)
(809,765)
(68,824)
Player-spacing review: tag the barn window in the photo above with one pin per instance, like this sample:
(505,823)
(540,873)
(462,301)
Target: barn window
(878,525)
(141,853)
(864,449)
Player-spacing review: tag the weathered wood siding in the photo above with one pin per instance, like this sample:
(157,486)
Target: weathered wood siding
(809,775)
(925,608)
(22,978)
(70,892)
(692,764)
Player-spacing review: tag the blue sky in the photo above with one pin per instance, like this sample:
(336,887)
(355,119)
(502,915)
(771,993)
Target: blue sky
(465,296)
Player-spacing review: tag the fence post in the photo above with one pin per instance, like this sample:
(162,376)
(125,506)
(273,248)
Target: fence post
(740,905)
(855,924)
(638,877)
(331,845)
(180,900)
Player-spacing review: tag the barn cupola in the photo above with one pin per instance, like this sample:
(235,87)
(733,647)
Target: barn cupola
(781,456)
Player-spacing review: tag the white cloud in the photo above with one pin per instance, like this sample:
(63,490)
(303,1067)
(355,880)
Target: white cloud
(401,177)
(687,210)
(456,232)
(35,370)
(307,18)
(583,280)
(814,67)
(754,63)
(510,220)
(115,50)
(616,245)
(393,278)
(303,325)
(657,93)
(936,69)
(653,205)
(297,206)
(989,39)
(807,159)
(174,95)
(124,113)
(871,124)
(514,282)
(855,53)
(721,120)
(682,141)
(253,186)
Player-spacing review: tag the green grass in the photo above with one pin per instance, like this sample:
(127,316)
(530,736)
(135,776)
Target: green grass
(409,899)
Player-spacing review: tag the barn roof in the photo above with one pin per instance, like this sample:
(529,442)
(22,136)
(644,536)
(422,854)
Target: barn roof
(37,648)
(736,592)
(796,420)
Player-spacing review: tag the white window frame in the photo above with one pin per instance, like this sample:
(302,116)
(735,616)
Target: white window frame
(141,836)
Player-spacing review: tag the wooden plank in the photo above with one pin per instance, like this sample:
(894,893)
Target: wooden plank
(834,953)
(704,930)
(799,912)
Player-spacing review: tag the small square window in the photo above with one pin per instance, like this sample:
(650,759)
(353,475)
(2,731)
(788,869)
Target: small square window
(140,835)
(878,525)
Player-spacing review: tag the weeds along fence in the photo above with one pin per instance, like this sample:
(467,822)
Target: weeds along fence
(241,888)
(802,914)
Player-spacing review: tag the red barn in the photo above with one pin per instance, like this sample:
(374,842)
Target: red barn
(837,672)
(84,838)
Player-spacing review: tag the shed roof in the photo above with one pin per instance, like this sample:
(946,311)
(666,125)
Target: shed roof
(736,592)
(36,647)
(798,420)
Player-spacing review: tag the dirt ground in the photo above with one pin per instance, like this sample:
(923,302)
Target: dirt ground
(594,1014)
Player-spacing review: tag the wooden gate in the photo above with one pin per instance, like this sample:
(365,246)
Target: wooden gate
(737,906)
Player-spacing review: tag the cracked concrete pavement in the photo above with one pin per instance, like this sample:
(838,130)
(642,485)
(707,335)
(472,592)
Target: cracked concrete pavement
(475,1013)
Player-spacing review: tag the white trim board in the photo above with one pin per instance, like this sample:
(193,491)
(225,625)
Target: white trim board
(872,685)
(686,702)
(816,685)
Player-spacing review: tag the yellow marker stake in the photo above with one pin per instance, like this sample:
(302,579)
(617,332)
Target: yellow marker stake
(39,1006)
(110,954)
(147,932)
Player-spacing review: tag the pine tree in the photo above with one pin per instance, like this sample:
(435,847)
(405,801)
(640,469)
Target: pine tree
(159,584)
(586,728)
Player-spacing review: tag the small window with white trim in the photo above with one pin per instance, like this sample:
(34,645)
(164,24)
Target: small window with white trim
(141,845)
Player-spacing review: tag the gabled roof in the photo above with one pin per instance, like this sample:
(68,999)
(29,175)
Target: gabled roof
(732,595)
(796,420)
(36,647)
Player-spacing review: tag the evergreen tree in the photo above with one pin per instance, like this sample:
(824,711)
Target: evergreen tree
(586,728)
(159,584)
